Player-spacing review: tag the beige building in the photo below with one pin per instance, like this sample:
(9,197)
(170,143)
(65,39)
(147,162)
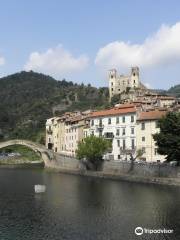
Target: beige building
(146,126)
(73,133)
(63,133)
(165,101)
(120,83)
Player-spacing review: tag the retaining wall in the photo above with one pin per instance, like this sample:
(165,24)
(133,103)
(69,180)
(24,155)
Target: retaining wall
(142,169)
(62,162)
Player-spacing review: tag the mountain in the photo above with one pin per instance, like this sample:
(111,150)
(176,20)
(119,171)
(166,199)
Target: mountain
(27,99)
(175,91)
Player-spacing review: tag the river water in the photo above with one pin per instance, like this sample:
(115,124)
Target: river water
(75,208)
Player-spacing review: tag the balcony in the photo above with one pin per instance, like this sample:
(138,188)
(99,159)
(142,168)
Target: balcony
(100,126)
(108,135)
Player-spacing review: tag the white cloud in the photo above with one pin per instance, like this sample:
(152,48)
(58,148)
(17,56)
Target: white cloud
(2,61)
(56,61)
(160,49)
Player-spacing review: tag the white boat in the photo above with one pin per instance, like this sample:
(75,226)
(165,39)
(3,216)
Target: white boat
(39,188)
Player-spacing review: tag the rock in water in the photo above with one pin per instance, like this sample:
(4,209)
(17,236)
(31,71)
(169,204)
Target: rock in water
(39,188)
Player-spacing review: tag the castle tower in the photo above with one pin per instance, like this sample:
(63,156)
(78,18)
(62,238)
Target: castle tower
(134,77)
(112,82)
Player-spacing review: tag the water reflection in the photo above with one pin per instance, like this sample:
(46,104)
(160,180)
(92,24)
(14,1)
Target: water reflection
(75,207)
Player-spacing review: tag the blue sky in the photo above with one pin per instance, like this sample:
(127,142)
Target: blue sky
(80,40)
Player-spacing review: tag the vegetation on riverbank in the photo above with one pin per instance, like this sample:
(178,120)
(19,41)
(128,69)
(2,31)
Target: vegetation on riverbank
(26,154)
(168,139)
(91,151)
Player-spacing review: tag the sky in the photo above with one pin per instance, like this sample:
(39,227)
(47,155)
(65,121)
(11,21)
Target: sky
(81,40)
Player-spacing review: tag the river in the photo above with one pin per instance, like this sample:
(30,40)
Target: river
(75,207)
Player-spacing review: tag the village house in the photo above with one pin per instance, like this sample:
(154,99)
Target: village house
(117,125)
(63,133)
(146,126)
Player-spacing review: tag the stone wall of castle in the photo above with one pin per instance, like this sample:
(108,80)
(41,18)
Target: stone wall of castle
(120,83)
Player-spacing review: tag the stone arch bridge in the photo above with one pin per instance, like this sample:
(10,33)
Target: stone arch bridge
(45,154)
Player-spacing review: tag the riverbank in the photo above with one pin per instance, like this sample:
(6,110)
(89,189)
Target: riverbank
(20,163)
(120,177)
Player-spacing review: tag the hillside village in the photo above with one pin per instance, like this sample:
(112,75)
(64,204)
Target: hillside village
(129,125)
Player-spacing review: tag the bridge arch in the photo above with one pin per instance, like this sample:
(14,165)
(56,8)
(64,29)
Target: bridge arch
(45,154)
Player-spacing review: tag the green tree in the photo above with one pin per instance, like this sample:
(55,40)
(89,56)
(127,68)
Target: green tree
(168,139)
(92,150)
(115,99)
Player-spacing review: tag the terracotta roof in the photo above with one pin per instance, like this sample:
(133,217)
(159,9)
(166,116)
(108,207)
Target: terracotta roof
(76,118)
(166,98)
(151,115)
(125,105)
(114,111)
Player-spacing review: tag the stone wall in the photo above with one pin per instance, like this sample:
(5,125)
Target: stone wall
(62,162)
(142,169)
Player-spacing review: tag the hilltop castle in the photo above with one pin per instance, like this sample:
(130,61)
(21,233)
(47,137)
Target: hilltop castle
(120,84)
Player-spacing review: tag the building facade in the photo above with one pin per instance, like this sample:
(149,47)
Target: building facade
(119,83)
(127,126)
(147,125)
(65,132)
(117,125)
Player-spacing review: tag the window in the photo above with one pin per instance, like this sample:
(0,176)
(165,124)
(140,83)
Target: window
(118,143)
(92,122)
(117,132)
(100,133)
(112,89)
(109,120)
(111,76)
(132,144)
(119,157)
(156,124)
(134,81)
(155,151)
(143,126)
(124,131)
(100,122)
(134,74)
(123,119)
(143,139)
(132,118)
(112,84)
(124,144)
(132,130)
(117,119)
(92,133)
(144,150)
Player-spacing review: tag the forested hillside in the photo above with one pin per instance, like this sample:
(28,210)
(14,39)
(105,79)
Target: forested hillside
(175,91)
(27,99)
